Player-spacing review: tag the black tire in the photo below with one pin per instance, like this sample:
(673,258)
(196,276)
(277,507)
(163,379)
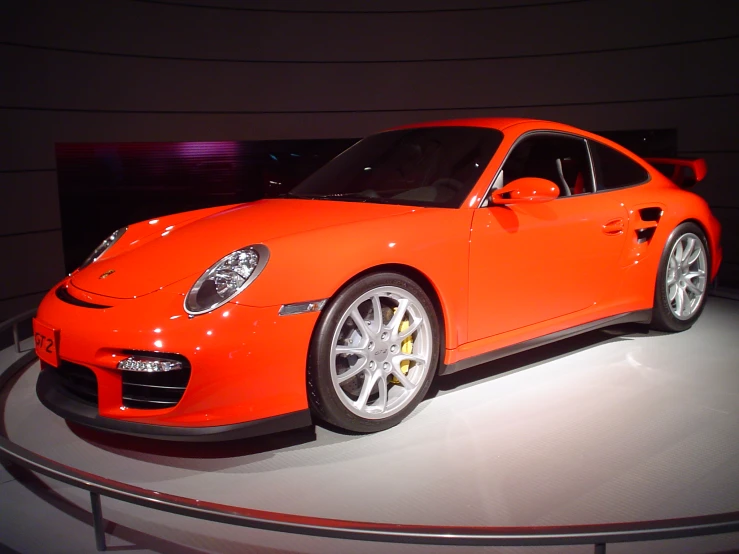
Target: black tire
(664,317)
(329,399)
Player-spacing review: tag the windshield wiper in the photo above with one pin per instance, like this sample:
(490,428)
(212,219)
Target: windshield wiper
(333,196)
(301,196)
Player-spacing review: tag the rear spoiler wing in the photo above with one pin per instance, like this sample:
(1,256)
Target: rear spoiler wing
(684,172)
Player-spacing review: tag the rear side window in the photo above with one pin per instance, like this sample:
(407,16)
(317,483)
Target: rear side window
(613,170)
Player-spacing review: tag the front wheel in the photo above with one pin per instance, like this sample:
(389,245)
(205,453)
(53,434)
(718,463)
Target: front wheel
(374,353)
(682,279)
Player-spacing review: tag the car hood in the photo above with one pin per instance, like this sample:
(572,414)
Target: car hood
(188,249)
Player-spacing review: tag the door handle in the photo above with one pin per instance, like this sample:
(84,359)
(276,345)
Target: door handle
(614,227)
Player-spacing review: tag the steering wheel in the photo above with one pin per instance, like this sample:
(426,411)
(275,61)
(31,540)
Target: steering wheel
(448,183)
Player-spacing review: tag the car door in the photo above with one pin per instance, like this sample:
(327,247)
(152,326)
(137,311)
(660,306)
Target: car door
(534,262)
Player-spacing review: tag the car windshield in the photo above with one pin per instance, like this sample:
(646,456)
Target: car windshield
(426,166)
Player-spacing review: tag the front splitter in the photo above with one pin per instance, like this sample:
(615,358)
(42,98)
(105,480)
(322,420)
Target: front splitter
(51,393)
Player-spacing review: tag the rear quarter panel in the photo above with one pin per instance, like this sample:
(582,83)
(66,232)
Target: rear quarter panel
(639,262)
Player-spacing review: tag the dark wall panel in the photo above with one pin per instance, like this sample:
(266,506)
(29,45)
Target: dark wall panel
(14,306)
(71,81)
(31,263)
(30,202)
(156,29)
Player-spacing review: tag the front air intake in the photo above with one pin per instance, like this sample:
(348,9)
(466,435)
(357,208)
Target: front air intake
(154,388)
(77,381)
(63,294)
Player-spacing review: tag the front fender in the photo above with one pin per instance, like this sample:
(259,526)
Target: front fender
(314,265)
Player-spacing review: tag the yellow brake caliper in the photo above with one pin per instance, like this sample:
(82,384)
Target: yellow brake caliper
(406,347)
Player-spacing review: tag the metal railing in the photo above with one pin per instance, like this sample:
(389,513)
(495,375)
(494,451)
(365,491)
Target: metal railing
(13,323)
(598,535)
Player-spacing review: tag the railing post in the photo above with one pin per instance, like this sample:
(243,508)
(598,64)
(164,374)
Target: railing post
(97,521)
(16,339)
(600,548)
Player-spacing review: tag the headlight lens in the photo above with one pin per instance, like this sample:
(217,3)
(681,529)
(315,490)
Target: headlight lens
(101,249)
(226,278)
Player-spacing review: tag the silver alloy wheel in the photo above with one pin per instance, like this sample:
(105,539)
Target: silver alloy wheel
(686,276)
(380,352)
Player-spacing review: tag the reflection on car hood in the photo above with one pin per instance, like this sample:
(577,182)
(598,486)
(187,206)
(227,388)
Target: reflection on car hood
(188,250)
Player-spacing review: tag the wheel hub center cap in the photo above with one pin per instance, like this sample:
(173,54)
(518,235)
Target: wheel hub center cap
(381,352)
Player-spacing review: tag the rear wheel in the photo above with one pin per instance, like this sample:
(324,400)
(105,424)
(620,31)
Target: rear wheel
(374,354)
(682,279)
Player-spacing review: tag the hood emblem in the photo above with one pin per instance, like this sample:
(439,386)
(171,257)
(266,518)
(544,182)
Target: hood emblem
(109,272)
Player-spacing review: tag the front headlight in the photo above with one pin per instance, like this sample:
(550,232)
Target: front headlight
(226,278)
(103,247)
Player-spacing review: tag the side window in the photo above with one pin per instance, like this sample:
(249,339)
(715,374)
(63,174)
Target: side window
(613,170)
(561,159)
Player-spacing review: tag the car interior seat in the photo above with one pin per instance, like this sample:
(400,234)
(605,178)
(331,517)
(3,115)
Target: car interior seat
(572,175)
(550,168)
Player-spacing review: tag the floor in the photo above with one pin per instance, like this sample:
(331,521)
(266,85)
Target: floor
(614,425)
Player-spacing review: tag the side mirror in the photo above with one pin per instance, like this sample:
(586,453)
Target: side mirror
(524,190)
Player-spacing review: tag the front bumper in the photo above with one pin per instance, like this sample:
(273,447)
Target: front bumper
(51,393)
(247,365)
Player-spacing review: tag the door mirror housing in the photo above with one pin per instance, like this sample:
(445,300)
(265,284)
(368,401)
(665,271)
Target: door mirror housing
(525,190)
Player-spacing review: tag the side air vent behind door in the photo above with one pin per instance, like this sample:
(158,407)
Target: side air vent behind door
(650,214)
(643,223)
(649,218)
(645,234)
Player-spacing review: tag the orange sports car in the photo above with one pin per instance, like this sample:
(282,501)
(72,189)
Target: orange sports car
(417,252)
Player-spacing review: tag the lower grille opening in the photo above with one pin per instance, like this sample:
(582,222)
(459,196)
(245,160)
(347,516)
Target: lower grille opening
(77,380)
(155,390)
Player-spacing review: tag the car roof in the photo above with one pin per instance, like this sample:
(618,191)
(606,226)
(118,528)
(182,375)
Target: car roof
(499,123)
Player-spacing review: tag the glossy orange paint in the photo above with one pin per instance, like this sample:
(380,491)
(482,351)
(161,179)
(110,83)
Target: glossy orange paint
(239,372)
(501,275)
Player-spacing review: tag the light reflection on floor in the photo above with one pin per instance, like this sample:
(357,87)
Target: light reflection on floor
(615,425)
